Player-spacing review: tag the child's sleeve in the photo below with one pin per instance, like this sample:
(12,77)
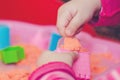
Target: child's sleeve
(53,71)
(109,13)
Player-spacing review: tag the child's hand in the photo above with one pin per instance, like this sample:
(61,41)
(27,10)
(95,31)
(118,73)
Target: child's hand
(47,57)
(75,13)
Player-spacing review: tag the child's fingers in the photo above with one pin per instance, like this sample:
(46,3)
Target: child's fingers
(61,23)
(75,24)
(63,19)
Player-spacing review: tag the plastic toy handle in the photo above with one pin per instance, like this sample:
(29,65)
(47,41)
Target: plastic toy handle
(82,66)
(53,42)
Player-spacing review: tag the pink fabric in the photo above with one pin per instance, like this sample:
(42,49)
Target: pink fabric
(109,14)
(53,71)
